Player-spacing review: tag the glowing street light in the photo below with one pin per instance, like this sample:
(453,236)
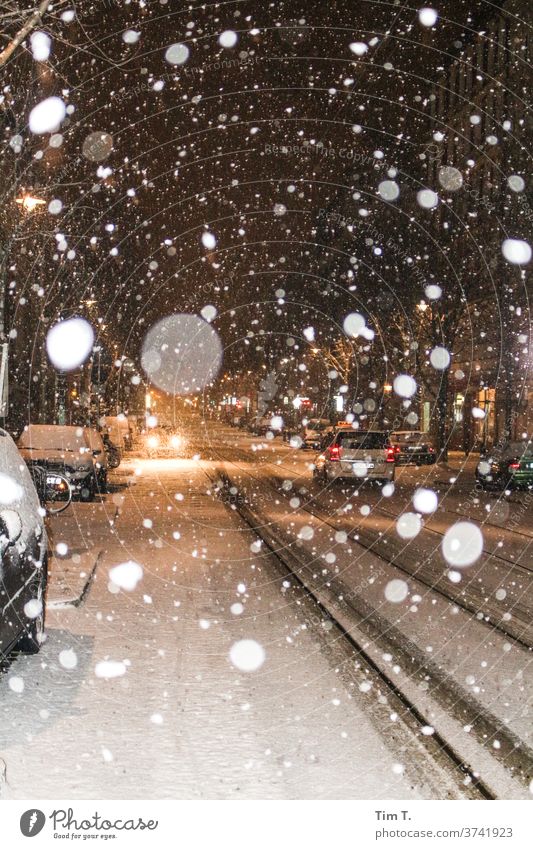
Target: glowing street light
(29,203)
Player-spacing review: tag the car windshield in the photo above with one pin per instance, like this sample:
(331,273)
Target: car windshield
(407,438)
(52,438)
(355,440)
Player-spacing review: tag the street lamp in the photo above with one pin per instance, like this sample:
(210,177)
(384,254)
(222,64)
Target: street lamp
(29,203)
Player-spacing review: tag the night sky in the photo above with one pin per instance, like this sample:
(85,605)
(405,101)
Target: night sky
(274,145)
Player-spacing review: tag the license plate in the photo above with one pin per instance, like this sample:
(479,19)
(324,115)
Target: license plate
(359,465)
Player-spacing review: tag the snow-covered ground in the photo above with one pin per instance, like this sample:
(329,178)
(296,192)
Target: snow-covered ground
(196,669)
(144,692)
(465,662)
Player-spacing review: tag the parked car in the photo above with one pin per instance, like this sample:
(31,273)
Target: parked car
(97,446)
(413,446)
(508,466)
(67,450)
(313,432)
(113,452)
(23,551)
(238,420)
(357,455)
(120,431)
(260,425)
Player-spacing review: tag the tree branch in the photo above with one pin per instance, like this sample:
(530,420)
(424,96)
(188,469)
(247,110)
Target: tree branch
(32,22)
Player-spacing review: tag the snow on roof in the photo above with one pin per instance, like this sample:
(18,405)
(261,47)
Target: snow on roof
(58,437)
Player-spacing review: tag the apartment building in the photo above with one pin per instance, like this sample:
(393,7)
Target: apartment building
(476,156)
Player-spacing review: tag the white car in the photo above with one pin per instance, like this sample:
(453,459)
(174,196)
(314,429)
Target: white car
(70,451)
(313,432)
(23,549)
(357,455)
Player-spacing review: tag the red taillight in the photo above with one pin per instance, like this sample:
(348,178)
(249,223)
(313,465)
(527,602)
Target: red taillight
(390,458)
(396,449)
(514,466)
(334,453)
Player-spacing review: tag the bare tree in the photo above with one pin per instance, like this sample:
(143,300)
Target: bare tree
(27,22)
(341,357)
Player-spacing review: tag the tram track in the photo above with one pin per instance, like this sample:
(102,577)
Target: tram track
(373,630)
(428,566)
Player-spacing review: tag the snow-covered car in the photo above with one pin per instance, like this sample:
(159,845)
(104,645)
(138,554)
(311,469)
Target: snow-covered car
(260,425)
(313,431)
(357,455)
(413,446)
(23,554)
(508,466)
(67,450)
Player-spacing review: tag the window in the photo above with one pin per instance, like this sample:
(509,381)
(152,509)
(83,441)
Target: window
(413,438)
(360,441)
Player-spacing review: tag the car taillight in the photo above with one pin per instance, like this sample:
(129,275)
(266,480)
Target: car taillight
(391,455)
(514,466)
(334,453)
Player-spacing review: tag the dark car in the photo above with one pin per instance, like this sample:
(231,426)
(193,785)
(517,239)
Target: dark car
(413,446)
(23,554)
(508,466)
(113,452)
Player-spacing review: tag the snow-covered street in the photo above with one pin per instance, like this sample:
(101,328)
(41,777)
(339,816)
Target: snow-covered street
(182,720)
(266,406)
(212,673)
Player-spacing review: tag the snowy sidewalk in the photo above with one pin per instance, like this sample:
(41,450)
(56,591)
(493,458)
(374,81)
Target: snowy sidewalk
(77,540)
(70,578)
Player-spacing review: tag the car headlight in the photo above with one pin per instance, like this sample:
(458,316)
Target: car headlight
(152,442)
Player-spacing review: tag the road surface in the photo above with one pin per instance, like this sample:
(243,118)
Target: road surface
(217,675)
